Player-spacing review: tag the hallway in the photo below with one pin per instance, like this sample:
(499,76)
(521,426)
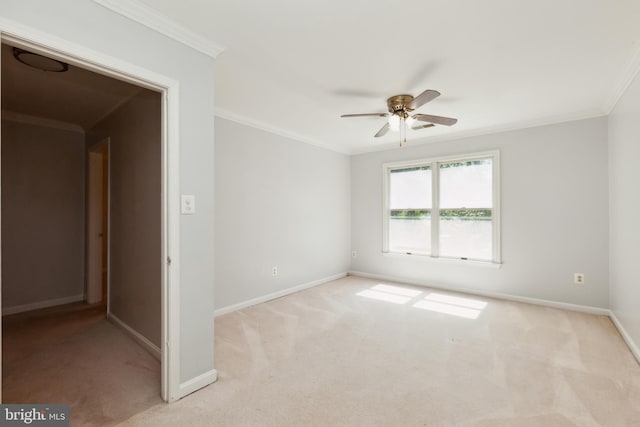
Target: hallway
(72,354)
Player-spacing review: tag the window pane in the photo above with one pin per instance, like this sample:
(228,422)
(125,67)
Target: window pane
(466,184)
(466,233)
(410,188)
(410,231)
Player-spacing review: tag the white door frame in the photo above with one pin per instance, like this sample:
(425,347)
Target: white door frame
(29,38)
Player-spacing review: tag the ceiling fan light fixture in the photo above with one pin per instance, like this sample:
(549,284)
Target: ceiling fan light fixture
(40,62)
(410,121)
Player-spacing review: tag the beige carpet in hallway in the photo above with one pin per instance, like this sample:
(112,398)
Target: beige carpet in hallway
(73,355)
(354,353)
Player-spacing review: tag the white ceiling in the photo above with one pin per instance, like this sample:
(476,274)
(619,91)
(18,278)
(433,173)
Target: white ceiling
(294,67)
(78,97)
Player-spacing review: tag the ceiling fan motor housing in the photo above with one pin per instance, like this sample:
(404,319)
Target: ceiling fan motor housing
(399,104)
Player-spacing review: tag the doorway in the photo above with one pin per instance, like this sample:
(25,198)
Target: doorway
(101,293)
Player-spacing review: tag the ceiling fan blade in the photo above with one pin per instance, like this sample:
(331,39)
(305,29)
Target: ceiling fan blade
(423,98)
(421,126)
(439,120)
(383,131)
(366,115)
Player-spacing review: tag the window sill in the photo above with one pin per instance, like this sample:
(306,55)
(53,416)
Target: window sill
(454,261)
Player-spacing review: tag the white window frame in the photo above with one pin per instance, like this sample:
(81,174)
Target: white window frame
(434,163)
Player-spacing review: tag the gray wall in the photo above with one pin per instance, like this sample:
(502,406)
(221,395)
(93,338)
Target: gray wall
(135,207)
(92,26)
(554,215)
(624,201)
(42,214)
(279,203)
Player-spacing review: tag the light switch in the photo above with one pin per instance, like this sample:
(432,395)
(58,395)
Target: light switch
(188,204)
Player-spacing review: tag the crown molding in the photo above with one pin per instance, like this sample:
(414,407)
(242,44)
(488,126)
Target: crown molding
(454,136)
(40,121)
(628,74)
(243,120)
(149,17)
(489,130)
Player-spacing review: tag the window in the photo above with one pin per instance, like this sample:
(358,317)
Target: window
(444,208)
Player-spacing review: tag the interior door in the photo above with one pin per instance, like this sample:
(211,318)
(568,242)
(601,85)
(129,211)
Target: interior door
(94,227)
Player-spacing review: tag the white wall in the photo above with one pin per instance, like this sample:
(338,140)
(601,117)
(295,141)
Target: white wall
(42,215)
(554,215)
(94,27)
(135,205)
(279,203)
(624,202)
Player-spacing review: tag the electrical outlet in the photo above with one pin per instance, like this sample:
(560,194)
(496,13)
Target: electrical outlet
(274,271)
(354,254)
(578,278)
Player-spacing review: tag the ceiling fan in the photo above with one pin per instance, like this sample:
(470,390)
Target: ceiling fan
(400,109)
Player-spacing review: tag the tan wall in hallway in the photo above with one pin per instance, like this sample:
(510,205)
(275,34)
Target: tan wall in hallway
(135,155)
(42,214)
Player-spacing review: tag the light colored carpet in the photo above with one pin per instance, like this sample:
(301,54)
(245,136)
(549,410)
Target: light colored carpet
(354,353)
(73,355)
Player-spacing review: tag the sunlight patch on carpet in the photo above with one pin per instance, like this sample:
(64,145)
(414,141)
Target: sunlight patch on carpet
(467,308)
(455,306)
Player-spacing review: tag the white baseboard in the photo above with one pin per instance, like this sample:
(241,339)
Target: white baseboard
(198,382)
(41,304)
(496,295)
(269,297)
(625,336)
(137,336)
